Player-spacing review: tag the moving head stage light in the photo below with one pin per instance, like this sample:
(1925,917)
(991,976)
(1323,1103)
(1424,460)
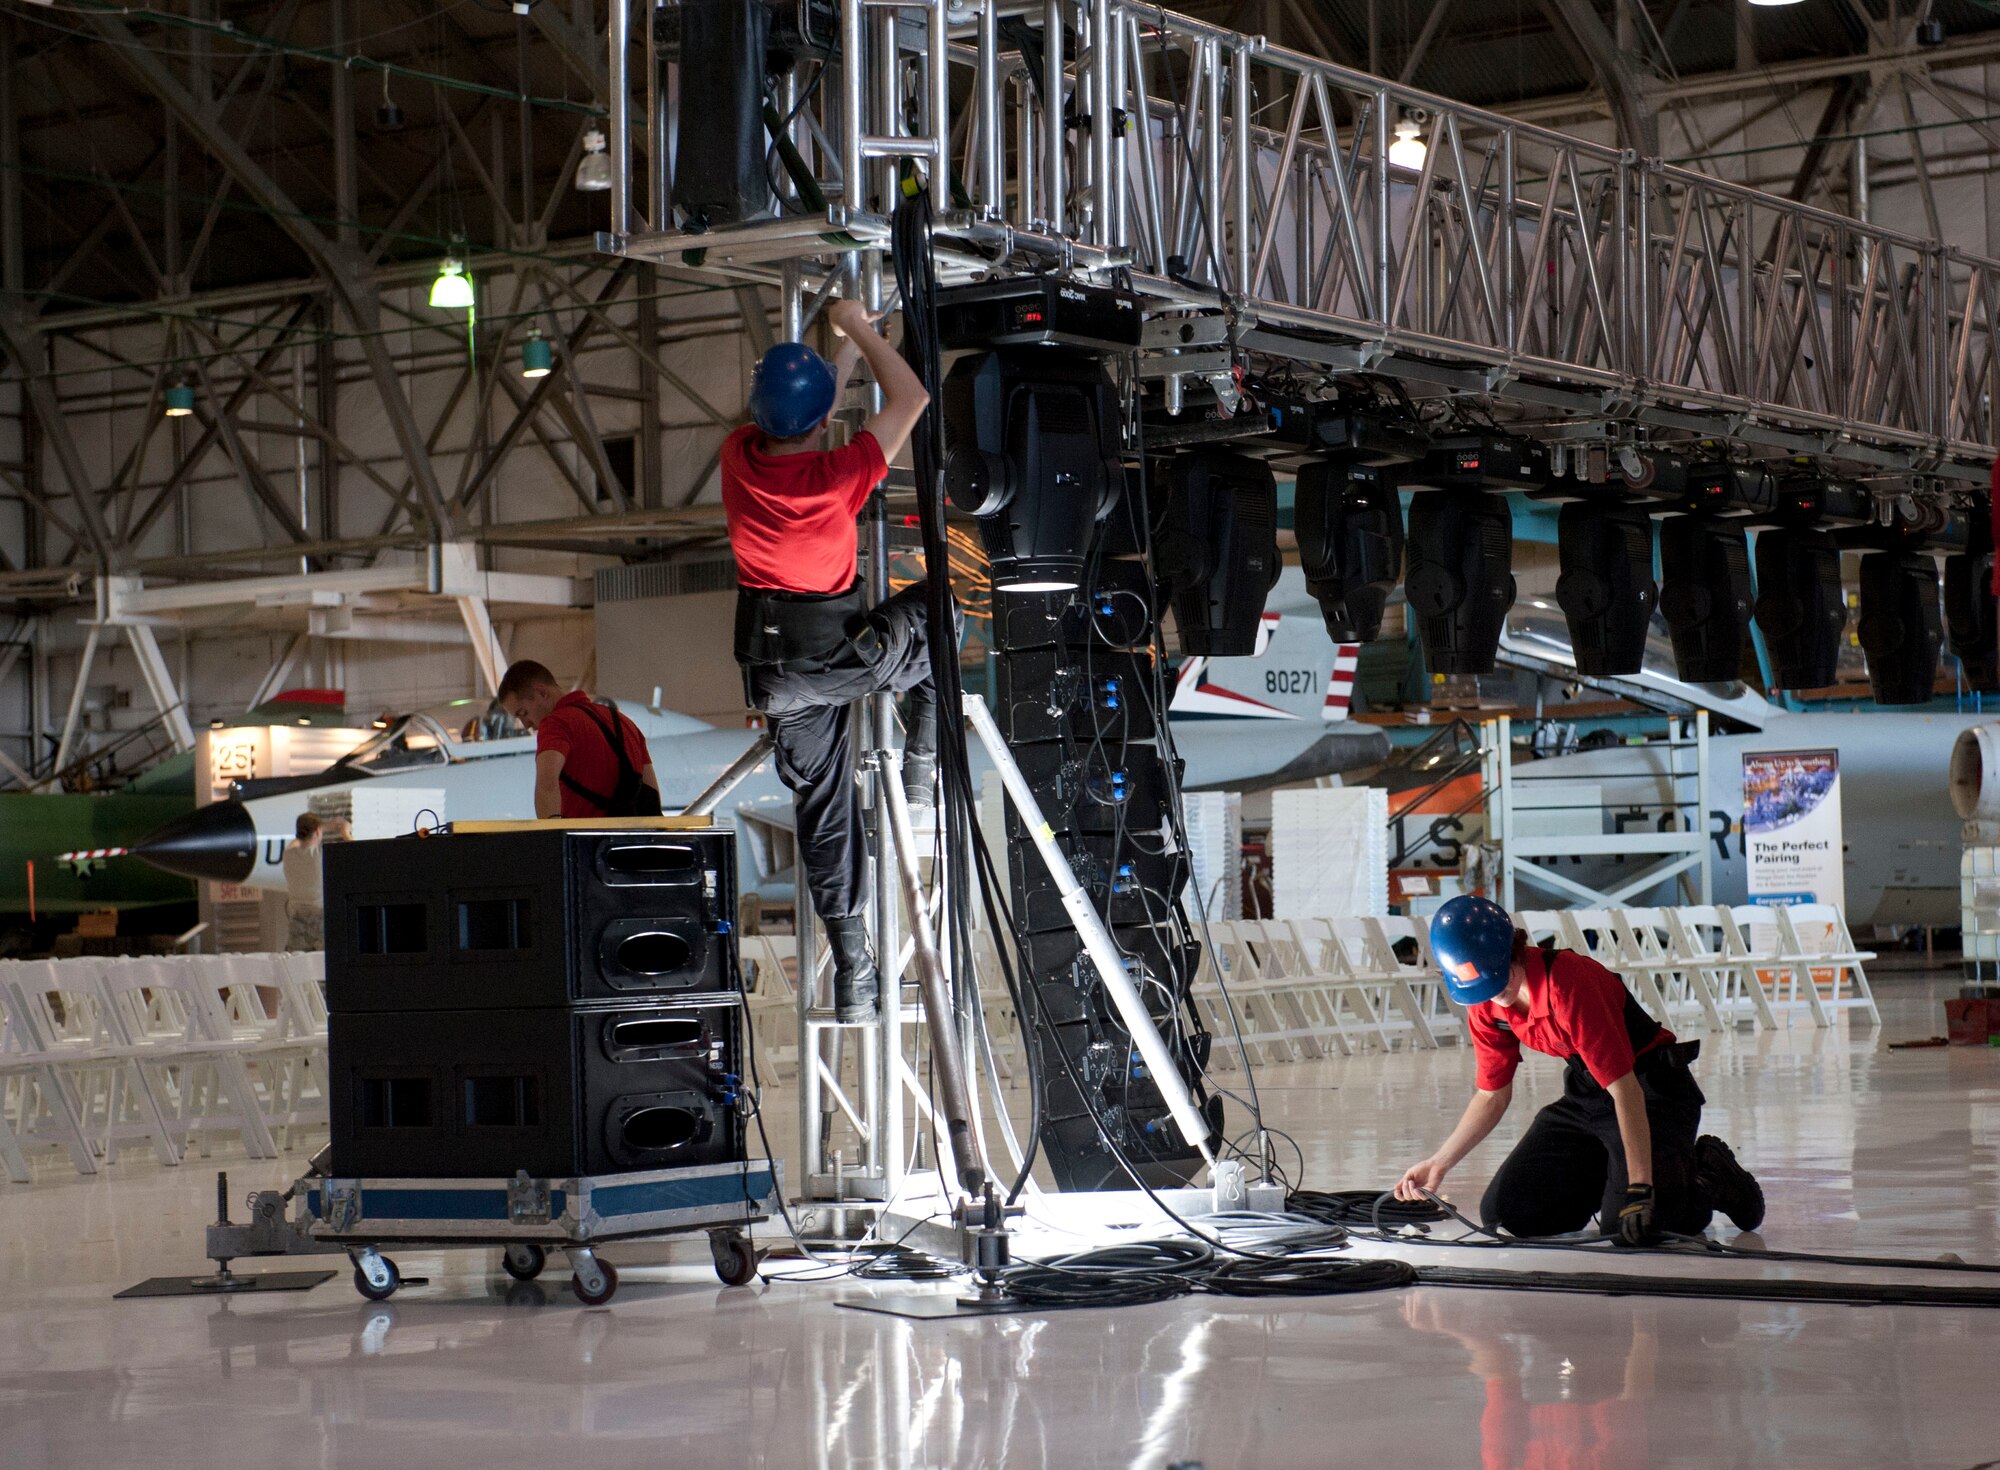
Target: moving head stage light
(1349,522)
(1705,595)
(1801,609)
(1461,582)
(1606,589)
(1218,549)
(1899,628)
(1034,448)
(1972,621)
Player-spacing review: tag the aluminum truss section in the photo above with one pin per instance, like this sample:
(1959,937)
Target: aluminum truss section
(1554,277)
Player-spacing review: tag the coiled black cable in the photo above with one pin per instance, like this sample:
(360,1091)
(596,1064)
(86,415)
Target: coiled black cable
(1362,1208)
(1306,1276)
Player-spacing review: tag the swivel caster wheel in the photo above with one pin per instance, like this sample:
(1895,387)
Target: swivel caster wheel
(376,1277)
(594,1282)
(524,1262)
(735,1259)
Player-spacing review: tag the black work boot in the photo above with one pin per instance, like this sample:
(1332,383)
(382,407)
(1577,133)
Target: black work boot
(855,983)
(1730,1187)
(920,750)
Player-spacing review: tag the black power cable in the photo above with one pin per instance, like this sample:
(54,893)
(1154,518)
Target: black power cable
(1362,1208)
(1306,1276)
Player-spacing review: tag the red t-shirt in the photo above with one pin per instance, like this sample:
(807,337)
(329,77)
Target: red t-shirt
(1578,1012)
(791,516)
(579,730)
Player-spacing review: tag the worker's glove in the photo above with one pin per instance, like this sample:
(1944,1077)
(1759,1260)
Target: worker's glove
(1635,1221)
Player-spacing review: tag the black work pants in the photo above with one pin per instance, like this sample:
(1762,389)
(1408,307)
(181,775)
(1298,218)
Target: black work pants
(1571,1161)
(806,712)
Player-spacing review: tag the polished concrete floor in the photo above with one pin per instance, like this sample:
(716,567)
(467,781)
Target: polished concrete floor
(1860,1149)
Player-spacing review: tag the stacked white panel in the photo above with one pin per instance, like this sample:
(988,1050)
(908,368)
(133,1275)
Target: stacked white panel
(1330,852)
(1215,846)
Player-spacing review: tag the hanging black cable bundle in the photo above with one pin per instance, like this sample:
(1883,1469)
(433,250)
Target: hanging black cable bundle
(960,838)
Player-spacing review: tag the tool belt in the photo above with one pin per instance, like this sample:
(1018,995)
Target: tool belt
(1674,1057)
(799,632)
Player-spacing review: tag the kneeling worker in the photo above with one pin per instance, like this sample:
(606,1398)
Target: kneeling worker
(1622,1140)
(808,642)
(589,761)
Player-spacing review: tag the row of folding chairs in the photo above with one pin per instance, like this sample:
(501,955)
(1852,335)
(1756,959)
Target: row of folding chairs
(98,1056)
(1279,990)
(1722,966)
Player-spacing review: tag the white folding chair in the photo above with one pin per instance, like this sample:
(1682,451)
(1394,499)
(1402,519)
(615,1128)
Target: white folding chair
(1370,979)
(1645,942)
(124,1072)
(37,1106)
(1814,938)
(1756,939)
(1442,1015)
(216,1090)
(1699,935)
(1594,932)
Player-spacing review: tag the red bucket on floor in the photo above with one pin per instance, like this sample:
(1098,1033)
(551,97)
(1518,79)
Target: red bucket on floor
(1971,1022)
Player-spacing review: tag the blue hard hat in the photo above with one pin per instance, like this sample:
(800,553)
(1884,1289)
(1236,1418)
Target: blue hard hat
(791,391)
(1473,940)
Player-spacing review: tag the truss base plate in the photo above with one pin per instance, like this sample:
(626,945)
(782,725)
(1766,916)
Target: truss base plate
(231,1285)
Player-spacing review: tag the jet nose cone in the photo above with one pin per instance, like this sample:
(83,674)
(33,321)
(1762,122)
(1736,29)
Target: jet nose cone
(217,841)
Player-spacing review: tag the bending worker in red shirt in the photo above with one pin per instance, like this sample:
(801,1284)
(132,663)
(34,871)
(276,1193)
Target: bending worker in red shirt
(589,761)
(1622,1140)
(808,642)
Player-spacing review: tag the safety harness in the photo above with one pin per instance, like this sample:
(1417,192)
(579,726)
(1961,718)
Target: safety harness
(631,797)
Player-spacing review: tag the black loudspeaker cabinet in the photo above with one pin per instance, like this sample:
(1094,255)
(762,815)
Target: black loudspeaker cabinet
(528,918)
(595,1090)
(1054,694)
(1129,880)
(1098,788)
(1900,630)
(1349,523)
(719,176)
(1116,612)
(1801,608)
(1705,595)
(1068,989)
(1606,589)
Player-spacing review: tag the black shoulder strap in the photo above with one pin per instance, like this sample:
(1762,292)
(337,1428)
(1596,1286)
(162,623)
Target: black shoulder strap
(626,774)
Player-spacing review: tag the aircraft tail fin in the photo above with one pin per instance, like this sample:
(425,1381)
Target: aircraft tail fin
(1296,673)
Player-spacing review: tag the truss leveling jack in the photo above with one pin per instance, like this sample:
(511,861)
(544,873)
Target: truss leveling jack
(986,1246)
